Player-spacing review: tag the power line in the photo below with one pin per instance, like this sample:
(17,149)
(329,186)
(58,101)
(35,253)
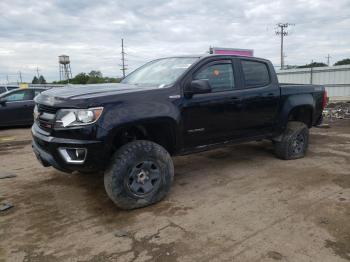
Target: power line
(281,31)
(123,59)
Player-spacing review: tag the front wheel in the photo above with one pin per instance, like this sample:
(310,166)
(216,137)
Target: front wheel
(140,174)
(294,141)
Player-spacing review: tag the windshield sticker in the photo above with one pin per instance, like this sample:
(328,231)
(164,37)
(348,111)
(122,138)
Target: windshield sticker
(68,119)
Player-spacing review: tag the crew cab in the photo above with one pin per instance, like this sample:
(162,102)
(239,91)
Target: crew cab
(170,106)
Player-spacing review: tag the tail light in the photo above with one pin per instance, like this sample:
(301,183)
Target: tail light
(325,99)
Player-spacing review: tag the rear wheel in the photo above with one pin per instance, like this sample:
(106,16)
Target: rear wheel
(294,141)
(140,174)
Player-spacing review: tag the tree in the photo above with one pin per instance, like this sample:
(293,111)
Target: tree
(112,80)
(343,62)
(96,74)
(35,80)
(313,64)
(95,77)
(81,78)
(41,80)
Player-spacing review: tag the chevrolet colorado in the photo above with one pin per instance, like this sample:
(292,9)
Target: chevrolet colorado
(170,106)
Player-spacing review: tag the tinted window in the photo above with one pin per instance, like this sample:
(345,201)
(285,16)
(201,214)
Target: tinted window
(255,73)
(2,89)
(20,96)
(220,76)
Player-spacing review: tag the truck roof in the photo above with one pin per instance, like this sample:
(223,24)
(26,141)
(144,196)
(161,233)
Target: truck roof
(202,56)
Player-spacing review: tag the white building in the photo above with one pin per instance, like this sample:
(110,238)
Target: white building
(336,79)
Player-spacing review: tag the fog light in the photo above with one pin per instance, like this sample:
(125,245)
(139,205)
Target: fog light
(73,155)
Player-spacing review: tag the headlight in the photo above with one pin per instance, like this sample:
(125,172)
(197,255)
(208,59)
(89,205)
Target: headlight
(77,117)
(35,112)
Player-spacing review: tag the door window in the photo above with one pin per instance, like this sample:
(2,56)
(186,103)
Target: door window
(220,76)
(20,96)
(255,73)
(9,88)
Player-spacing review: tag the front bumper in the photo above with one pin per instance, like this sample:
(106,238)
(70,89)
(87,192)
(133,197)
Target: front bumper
(46,149)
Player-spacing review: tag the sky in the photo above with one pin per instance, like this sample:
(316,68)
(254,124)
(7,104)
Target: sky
(34,33)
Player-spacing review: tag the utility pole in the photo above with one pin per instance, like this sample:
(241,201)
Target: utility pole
(37,71)
(123,59)
(281,31)
(328,57)
(20,76)
(311,72)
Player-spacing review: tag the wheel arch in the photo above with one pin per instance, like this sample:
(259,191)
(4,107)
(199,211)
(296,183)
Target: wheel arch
(161,130)
(298,108)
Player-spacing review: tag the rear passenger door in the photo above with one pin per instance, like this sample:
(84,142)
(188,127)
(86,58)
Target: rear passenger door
(260,97)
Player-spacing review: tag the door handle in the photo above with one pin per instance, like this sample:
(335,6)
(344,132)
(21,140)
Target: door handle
(235,98)
(235,101)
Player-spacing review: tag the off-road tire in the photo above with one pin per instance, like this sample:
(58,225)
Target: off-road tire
(124,161)
(294,141)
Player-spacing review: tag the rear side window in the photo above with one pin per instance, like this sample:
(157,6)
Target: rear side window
(220,76)
(255,73)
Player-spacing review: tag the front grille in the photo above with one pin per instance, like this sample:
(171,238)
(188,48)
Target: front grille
(44,123)
(47,109)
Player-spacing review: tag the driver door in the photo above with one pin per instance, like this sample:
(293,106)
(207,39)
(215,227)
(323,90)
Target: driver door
(209,118)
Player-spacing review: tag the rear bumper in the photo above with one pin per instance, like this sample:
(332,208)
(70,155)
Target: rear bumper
(46,149)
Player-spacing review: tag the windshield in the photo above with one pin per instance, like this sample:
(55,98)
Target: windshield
(161,72)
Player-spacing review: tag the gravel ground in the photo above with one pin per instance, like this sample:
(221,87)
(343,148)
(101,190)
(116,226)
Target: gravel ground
(238,203)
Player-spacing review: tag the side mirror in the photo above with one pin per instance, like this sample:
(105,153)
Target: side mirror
(198,87)
(2,101)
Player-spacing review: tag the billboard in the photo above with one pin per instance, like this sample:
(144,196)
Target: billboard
(231,51)
(23,85)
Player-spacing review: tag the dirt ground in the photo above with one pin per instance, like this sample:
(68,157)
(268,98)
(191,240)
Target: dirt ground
(238,203)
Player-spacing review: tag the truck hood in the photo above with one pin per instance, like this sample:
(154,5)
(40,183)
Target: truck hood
(86,93)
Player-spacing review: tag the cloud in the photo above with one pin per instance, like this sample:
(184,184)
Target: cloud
(34,33)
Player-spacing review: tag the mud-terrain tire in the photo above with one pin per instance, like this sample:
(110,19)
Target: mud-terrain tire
(140,174)
(294,141)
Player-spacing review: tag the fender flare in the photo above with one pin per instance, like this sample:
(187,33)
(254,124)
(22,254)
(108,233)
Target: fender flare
(293,102)
(171,123)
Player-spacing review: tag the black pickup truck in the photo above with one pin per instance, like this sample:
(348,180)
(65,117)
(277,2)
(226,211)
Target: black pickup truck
(170,106)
